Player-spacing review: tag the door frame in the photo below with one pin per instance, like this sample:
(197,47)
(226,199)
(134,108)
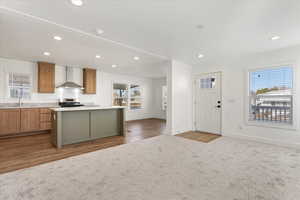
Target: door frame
(194,98)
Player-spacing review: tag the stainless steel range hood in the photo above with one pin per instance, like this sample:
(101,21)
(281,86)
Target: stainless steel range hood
(69,80)
(69,84)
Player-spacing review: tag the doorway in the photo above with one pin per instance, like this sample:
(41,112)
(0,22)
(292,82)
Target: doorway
(208,103)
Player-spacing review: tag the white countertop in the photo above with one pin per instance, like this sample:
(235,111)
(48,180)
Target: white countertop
(82,108)
(25,107)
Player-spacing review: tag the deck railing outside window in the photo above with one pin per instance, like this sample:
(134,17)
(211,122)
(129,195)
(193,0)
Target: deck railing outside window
(278,110)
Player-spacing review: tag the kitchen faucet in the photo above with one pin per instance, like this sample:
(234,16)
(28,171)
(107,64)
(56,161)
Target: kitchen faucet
(20,101)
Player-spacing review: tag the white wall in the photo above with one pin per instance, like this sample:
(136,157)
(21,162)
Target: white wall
(233,89)
(179,79)
(104,86)
(158,83)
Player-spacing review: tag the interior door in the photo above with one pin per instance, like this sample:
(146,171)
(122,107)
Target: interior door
(208,105)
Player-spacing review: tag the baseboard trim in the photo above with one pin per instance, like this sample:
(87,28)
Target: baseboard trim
(180,132)
(264,140)
(24,134)
(145,119)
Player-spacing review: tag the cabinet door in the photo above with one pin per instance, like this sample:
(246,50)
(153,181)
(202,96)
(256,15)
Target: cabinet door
(9,121)
(105,123)
(30,120)
(75,126)
(89,81)
(46,77)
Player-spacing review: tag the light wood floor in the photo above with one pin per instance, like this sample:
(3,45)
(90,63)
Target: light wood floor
(28,151)
(199,136)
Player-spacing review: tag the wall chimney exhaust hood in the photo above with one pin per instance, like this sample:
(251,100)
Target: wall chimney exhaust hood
(69,80)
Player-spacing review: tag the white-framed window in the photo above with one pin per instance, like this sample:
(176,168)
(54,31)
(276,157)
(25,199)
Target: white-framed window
(135,97)
(128,95)
(19,85)
(271,97)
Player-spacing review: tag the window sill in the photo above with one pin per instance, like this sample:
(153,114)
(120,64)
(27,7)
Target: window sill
(264,124)
(135,109)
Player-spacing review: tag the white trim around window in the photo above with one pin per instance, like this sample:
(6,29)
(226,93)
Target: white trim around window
(295,122)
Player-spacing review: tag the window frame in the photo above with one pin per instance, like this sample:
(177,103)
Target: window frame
(112,92)
(141,98)
(294,124)
(9,87)
(128,85)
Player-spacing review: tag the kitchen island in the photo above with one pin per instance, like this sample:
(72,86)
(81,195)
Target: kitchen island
(80,124)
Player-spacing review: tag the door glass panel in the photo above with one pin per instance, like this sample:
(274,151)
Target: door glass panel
(207,83)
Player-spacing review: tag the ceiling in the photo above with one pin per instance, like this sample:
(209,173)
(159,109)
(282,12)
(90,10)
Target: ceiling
(26,38)
(156,30)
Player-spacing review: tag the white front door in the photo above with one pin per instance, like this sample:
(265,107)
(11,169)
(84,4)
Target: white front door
(208,105)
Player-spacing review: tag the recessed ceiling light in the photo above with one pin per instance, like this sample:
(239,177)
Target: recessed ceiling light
(99,31)
(199,26)
(98,56)
(114,66)
(200,55)
(57,38)
(276,37)
(77,2)
(136,58)
(47,53)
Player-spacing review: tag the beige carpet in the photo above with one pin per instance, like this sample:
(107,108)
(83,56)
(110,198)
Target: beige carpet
(166,168)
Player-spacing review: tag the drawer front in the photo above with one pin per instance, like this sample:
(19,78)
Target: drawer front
(45,125)
(45,111)
(45,117)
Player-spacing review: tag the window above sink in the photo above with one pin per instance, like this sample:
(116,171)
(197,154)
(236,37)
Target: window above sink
(19,85)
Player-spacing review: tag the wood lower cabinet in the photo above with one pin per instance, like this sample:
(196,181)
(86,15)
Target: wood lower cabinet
(30,120)
(45,119)
(9,121)
(24,120)
(45,126)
